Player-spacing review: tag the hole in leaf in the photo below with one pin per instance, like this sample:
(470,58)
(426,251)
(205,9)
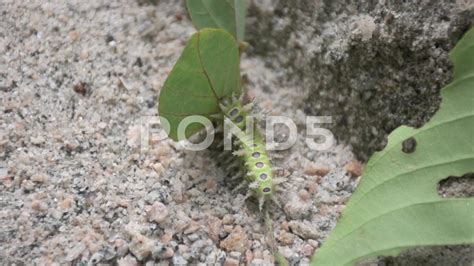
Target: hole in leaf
(234,112)
(457,186)
(409,145)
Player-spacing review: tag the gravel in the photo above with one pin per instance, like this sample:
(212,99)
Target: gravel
(76,81)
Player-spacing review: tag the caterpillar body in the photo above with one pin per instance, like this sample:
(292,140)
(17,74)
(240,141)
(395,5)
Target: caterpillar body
(257,165)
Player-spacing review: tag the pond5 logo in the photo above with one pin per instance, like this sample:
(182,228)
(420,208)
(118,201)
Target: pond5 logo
(156,128)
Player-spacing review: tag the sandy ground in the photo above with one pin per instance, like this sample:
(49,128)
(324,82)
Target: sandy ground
(76,81)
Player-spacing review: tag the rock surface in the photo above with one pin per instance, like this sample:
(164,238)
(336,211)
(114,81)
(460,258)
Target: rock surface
(371,65)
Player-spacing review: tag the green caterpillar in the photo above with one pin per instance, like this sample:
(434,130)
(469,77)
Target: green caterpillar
(258,167)
(204,82)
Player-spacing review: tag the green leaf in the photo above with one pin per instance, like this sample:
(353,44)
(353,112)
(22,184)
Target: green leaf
(396,206)
(221,14)
(207,71)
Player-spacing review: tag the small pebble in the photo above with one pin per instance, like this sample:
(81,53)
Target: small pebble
(7,181)
(133,136)
(127,261)
(193,237)
(159,169)
(74,35)
(74,252)
(296,208)
(304,195)
(163,253)
(183,249)
(305,262)
(228,219)
(84,55)
(193,227)
(166,238)
(39,205)
(287,252)
(179,260)
(314,169)
(102,125)
(257,254)
(228,228)
(286,238)
(96,257)
(158,212)
(235,255)
(267,255)
(38,140)
(27,185)
(214,226)
(354,168)
(66,203)
(236,241)
(304,229)
(307,250)
(260,262)
(141,247)
(313,243)
(121,247)
(39,178)
(248,256)
(231,262)
(3,172)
